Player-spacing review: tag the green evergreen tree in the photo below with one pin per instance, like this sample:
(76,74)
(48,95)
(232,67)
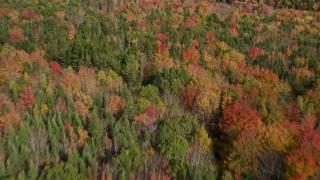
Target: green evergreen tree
(32,171)
(95,128)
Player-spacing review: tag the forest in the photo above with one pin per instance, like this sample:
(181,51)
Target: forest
(159,89)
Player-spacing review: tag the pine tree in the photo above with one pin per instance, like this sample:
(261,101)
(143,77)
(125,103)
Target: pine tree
(24,154)
(77,161)
(32,171)
(23,134)
(95,129)
(3,171)
(22,175)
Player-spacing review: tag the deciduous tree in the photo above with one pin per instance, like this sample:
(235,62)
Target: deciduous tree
(116,104)
(239,117)
(16,35)
(148,116)
(26,98)
(55,67)
(89,80)
(8,115)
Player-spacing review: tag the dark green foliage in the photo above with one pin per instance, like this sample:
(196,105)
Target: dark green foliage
(32,171)
(131,158)
(95,128)
(173,79)
(58,171)
(131,71)
(27,68)
(175,135)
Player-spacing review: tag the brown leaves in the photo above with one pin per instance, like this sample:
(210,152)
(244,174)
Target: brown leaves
(70,82)
(116,104)
(82,104)
(60,15)
(189,93)
(77,139)
(89,80)
(60,106)
(26,98)
(81,108)
(83,137)
(11,63)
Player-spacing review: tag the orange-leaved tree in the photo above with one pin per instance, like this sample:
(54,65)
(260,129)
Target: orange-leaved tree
(27,98)
(116,104)
(239,117)
(303,161)
(11,63)
(89,80)
(16,35)
(8,115)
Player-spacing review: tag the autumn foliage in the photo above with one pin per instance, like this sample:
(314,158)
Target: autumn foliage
(82,104)
(29,14)
(8,115)
(303,160)
(239,117)
(254,52)
(26,98)
(70,82)
(189,95)
(191,55)
(158,89)
(148,116)
(163,61)
(116,104)
(55,67)
(11,61)
(88,80)
(16,35)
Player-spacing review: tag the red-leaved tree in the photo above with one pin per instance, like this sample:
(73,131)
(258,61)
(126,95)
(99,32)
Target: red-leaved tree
(29,14)
(254,52)
(55,67)
(239,116)
(303,161)
(148,116)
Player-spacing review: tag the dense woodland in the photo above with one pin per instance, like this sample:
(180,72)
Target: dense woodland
(159,89)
